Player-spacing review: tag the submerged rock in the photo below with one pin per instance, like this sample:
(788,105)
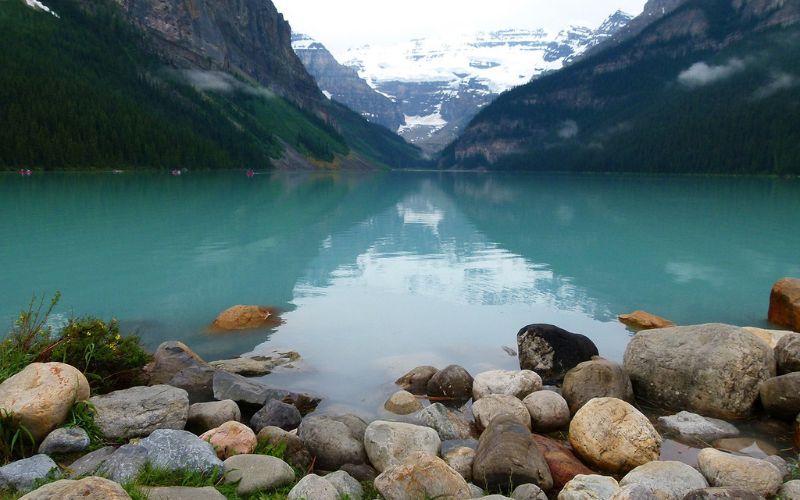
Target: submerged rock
(643,320)
(416,381)
(784,303)
(257,365)
(551,351)
(241,317)
(691,426)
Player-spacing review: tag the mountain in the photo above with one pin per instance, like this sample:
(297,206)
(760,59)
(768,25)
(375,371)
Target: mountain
(708,86)
(440,83)
(170,83)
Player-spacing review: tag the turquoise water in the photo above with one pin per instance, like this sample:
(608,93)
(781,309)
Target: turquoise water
(377,273)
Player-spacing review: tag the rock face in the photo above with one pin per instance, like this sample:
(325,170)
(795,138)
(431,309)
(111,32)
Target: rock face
(180,450)
(41,395)
(666,480)
(402,403)
(277,414)
(177,365)
(726,470)
(448,423)
(643,320)
(549,411)
(613,436)
(139,411)
(598,378)
(714,370)
(589,487)
(390,443)
(421,475)
(246,318)
(508,455)
(313,486)
(784,303)
(495,405)
(552,352)
(206,416)
(563,465)
(231,438)
(451,382)
(416,381)
(511,383)
(90,488)
(691,426)
(334,440)
(65,440)
(781,396)
(257,473)
(22,474)
(787,353)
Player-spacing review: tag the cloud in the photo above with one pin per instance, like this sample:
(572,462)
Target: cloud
(780,81)
(568,130)
(701,74)
(221,82)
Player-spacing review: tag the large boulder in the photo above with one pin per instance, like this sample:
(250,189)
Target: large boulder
(492,406)
(65,440)
(231,438)
(334,440)
(416,380)
(23,474)
(175,450)
(295,452)
(139,411)
(389,443)
(643,320)
(276,414)
(551,351)
(784,303)
(90,488)
(508,455)
(207,416)
(511,383)
(691,426)
(254,473)
(726,470)
(589,487)
(450,424)
(242,317)
(563,465)
(549,411)
(781,396)
(597,378)
(714,369)
(451,382)
(421,475)
(787,353)
(666,480)
(175,364)
(612,435)
(41,396)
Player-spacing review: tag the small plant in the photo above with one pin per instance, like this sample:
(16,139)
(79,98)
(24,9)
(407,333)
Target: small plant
(82,415)
(151,476)
(15,440)
(273,450)
(27,338)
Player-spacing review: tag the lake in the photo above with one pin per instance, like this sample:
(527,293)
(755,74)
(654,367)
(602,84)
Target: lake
(378,273)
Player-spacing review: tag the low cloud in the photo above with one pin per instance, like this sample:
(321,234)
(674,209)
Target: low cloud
(568,129)
(780,81)
(218,81)
(701,74)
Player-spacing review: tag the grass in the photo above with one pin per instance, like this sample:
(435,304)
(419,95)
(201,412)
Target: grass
(15,440)
(82,415)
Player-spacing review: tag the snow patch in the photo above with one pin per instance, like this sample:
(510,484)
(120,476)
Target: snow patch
(433,121)
(36,4)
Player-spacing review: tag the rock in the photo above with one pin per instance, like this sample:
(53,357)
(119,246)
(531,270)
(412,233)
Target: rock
(180,450)
(633,492)
(452,382)
(780,463)
(257,365)
(722,494)
(476,491)
(508,455)
(460,460)
(256,473)
(88,464)
(416,381)
(207,416)
(528,492)
(313,486)
(512,383)
(65,440)
(589,487)
(276,414)
(714,370)
(787,353)
(196,381)
(612,435)
(642,320)
(666,480)
(726,470)
(751,447)
(334,441)
(41,396)
(177,365)
(781,396)
(563,465)
(243,390)
(492,406)
(790,490)
(22,474)
(295,452)
(139,411)
(549,411)
(421,475)
(771,337)
(448,423)
(452,444)
(691,426)
(346,485)
(552,352)
(182,493)
(360,472)
(241,317)
(597,378)
(389,443)
(231,438)
(796,434)
(90,488)
(784,303)
(125,464)
(402,403)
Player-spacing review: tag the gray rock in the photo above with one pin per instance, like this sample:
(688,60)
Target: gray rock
(790,490)
(139,411)
(712,369)
(22,474)
(88,464)
(597,378)
(196,381)
(452,444)
(476,491)
(402,403)
(125,464)
(450,424)
(722,494)
(460,460)
(780,463)
(416,381)
(276,414)
(666,480)
(206,416)
(528,492)
(781,396)
(65,440)
(346,485)
(176,365)
(634,492)
(90,488)
(256,473)
(258,364)
(589,487)
(691,426)
(360,472)
(313,486)
(295,452)
(183,493)
(551,351)
(451,382)
(244,390)
(421,475)
(389,443)
(787,353)
(180,450)
(549,411)
(726,470)
(334,440)
(511,383)
(492,406)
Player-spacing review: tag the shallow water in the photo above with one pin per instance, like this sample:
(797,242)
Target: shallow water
(378,273)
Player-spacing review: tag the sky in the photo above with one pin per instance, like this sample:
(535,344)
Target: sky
(344,24)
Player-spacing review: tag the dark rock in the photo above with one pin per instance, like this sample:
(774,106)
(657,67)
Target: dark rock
(452,444)
(276,414)
(23,474)
(169,359)
(598,378)
(784,303)
(787,353)
(451,382)
(796,435)
(196,381)
(334,440)
(125,463)
(206,416)
(722,494)
(180,450)
(295,453)
(65,440)
(551,351)
(88,464)
(450,424)
(361,472)
(416,381)
(563,464)
(781,396)
(508,455)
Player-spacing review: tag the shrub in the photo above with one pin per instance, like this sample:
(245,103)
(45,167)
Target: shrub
(27,338)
